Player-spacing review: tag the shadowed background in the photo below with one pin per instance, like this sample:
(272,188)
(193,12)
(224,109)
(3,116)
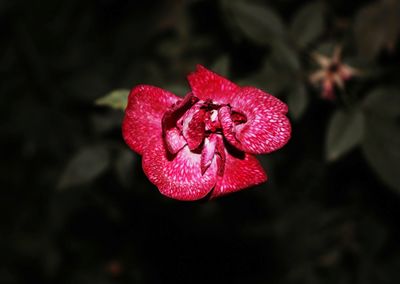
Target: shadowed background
(76,206)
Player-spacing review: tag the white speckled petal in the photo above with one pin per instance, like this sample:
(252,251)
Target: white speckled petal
(208,151)
(143,114)
(267,128)
(178,176)
(228,126)
(206,84)
(193,127)
(241,171)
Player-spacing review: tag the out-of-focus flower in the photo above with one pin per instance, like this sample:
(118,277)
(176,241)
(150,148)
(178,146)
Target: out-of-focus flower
(204,144)
(333,73)
(114,267)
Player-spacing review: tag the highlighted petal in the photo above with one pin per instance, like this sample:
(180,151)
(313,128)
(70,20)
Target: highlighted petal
(209,85)
(194,127)
(228,126)
(220,150)
(178,176)
(174,140)
(172,135)
(142,122)
(267,128)
(242,170)
(207,154)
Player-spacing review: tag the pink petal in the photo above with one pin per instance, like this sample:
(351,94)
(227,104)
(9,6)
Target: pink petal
(194,127)
(228,126)
(241,171)
(174,140)
(178,176)
(143,114)
(207,154)
(172,135)
(328,90)
(212,121)
(176,111)
(267,128)
(212,146)
(221,158)
(209,85)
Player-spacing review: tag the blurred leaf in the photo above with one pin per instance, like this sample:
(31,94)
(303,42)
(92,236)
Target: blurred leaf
(376,27)
(381,147)
(117,99)
(125,166)
(381,144)
(221,66)
(280,71)
(383,101)
(170,48)
(103,122)
(308,24)
(269,78)
(326,48)
(85,166)
(345,131)
(369,30)
(257,22)
(285,57)
(298,100)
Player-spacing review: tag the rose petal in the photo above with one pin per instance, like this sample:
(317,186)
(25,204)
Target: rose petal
(209,85)
(172,135)
(241,171)
(143,114)
(212,121)
(267,128)
(220,150)
(207,154)
(194,127)
(176,111)
(178,176)
(228,126)
(174,140)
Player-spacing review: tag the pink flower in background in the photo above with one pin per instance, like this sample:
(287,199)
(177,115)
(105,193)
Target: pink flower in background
(333,73)
(204,143)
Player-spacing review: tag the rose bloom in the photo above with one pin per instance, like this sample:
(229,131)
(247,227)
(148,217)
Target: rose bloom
(204,144)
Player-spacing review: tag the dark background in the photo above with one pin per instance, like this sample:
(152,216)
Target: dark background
(76,206)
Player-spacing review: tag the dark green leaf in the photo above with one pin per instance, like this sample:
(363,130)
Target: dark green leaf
(117,99)
(298,100)
(257,22)
(285,57)
(269,78)
(370,30)
(308,24)
(345,131)
(124,166)
(381,147)
(383,101)
(376,27)
(85,166)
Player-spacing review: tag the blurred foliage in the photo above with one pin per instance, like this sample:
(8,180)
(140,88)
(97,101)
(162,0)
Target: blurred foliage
(77,206)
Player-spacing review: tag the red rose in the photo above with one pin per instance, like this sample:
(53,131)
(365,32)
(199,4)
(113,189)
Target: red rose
(205,142)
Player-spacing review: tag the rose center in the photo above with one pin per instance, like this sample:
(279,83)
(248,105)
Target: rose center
(191,121)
